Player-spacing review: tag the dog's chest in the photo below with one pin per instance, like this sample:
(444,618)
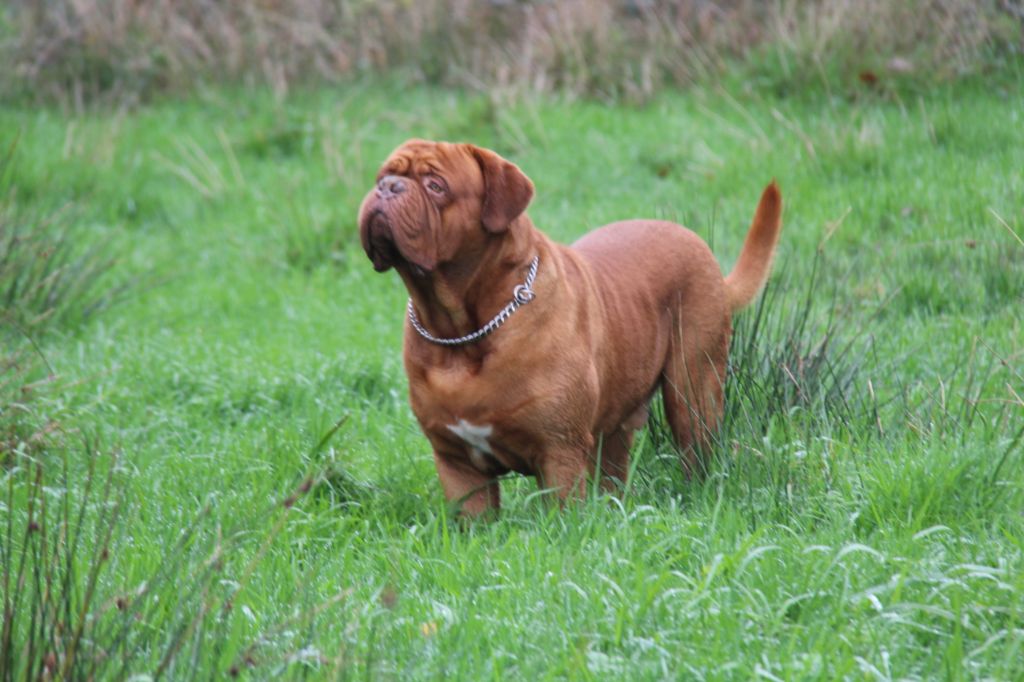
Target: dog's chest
(474,412)
(477,439)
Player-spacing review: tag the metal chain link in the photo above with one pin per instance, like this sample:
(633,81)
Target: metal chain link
(521,295)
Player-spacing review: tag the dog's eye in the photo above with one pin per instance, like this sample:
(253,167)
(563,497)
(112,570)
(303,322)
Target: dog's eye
(435,186)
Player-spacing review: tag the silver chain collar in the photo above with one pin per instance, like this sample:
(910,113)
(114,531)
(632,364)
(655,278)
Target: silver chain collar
(521,295)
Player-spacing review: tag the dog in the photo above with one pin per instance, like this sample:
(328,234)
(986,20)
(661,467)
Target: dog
(530,356)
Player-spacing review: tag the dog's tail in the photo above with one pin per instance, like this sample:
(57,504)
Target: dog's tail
(755,262)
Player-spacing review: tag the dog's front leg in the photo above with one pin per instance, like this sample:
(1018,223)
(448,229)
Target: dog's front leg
(471,492)
(565,471)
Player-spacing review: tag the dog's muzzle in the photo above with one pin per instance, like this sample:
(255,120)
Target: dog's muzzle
(380,243)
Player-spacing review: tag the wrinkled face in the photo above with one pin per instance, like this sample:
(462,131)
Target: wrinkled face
(436,200)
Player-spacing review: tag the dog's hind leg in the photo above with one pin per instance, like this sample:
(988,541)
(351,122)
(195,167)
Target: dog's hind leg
(692,383)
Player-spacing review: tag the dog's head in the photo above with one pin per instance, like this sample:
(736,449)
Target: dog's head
(435,200)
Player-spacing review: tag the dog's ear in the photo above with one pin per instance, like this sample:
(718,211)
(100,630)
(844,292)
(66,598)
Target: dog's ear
(507,190)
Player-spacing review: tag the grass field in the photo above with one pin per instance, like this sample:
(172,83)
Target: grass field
(863,515)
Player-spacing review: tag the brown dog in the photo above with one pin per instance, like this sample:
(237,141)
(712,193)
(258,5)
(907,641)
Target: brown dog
(579,338)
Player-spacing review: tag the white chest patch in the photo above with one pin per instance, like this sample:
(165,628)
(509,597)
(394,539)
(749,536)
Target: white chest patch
(476,438)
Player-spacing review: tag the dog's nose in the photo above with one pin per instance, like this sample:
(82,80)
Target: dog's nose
(390,185)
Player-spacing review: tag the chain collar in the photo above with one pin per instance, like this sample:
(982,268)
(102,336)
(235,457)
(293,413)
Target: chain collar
(521,295)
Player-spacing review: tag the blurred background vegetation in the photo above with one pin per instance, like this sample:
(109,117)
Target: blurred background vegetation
(79,51)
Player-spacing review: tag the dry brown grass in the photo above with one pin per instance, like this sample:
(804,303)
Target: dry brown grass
(81,50)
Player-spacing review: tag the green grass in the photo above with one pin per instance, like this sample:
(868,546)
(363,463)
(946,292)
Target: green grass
(868,530)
